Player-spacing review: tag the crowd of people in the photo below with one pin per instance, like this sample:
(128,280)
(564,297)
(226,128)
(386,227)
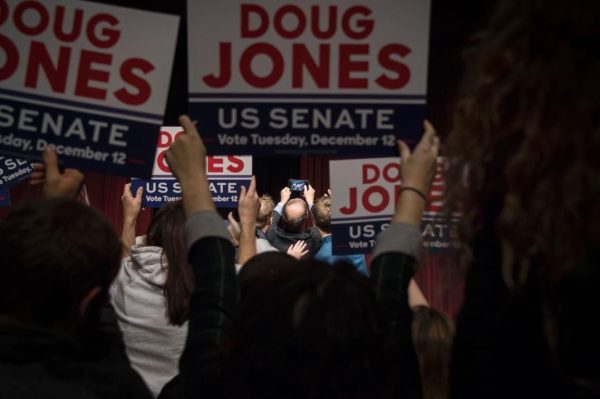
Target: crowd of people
(261,308)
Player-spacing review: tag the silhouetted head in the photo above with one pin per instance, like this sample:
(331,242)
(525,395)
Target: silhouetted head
(308,331)
(526,134)
(58,258)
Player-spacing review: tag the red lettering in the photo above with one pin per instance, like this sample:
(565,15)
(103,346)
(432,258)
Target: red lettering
(365,173)
(263,25)
(237,164)
(214,165)
(347,66)
(386,61)
(225,68)
(42,18)
(164,139)
(365,26)
(351,207)
(278,21)
(39,59)
(88,74)
(75,26)
(3,11)
(11,58)
(331,22)
(108,37)
(368,196)
(246,68)
(144,90)
(161,162)
(387,174)
(302,58)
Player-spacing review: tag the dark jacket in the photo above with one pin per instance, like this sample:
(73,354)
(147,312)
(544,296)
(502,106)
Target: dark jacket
(281,239)
(40,363)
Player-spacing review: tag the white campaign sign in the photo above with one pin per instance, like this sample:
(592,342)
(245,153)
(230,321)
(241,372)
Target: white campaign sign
(304,76)
(91,79)
(365,193)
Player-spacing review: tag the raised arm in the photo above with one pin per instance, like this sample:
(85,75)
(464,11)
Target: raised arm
(56,184)
(394,258)
(211,256)
(248,207)
(309,195)
(131,209)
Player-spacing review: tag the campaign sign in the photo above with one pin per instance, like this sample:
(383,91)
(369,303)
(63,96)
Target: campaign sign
(308,77)
(4,197)
(226,174)
(13,171)
(91,79)
(365,193)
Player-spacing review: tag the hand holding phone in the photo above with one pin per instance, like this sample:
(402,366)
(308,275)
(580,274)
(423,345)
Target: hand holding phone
(297,184)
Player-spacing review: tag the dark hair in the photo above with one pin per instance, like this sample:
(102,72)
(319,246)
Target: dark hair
(261,267)
(294,225)
(53,252)
(266,211)
(166,230)
(433,332)
(321,211)
(526,133)
(311,330)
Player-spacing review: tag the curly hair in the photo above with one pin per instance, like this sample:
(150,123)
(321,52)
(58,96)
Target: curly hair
(526,135)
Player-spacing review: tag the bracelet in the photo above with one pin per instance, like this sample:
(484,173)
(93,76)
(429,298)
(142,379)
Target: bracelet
(414,190)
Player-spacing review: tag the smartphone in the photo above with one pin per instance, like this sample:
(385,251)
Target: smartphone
(297,184)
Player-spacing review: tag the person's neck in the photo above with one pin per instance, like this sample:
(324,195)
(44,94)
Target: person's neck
(323,234)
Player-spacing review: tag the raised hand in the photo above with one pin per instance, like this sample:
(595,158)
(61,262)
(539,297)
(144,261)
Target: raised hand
(56,184)
(131,205)
(417,171)
(248,207)
(418,167)
(284,195)
(297,249)
(186,158)
(309,194)
(249,204)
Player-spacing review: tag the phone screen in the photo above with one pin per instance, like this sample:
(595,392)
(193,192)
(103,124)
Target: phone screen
(297,184)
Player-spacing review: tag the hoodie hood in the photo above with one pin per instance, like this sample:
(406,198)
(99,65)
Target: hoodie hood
(147,263)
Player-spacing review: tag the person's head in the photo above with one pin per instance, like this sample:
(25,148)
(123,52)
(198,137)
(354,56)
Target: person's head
(432,333)
(166,230)
(294,214)
(321,211)
(265,213)
(311,329)
(526,132)
(264,266)
(58,258)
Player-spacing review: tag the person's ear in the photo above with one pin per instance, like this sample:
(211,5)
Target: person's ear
(87,300)
(270,222)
